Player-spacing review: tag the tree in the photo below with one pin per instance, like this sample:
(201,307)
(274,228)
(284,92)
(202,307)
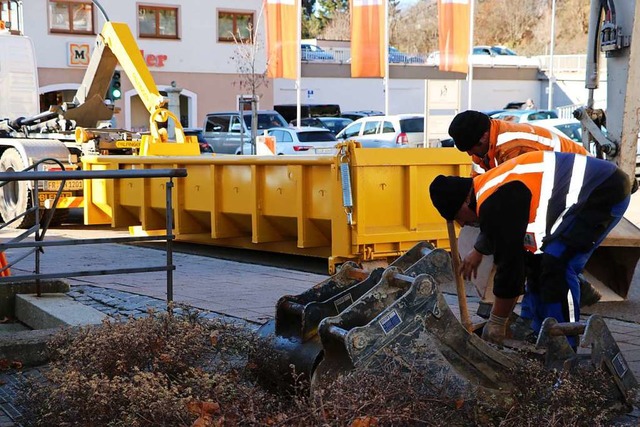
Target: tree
(250,79)
(317,14)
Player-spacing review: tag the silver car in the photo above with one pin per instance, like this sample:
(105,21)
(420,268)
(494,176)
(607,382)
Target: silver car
(224,130)
(304,140)
(398,131)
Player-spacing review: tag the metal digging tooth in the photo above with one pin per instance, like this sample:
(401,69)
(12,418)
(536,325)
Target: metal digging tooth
(411,316)
(292,339)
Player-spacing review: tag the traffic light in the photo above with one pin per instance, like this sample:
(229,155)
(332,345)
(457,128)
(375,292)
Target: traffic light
(114,88)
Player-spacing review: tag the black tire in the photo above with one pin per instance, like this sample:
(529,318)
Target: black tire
(15,197)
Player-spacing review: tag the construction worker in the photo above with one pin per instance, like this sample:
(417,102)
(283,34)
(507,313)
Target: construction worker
(561,205)
(491,142)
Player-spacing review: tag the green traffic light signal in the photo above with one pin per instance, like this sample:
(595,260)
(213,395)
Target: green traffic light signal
(114,88)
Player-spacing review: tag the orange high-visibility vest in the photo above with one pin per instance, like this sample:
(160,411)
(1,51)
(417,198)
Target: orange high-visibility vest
(559,182)
(508,140)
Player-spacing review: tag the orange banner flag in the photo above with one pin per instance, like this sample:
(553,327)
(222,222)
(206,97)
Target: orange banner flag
(453,34)
(283,40)
(368,22)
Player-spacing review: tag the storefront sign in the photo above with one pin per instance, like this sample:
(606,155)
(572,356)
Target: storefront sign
(78,54)
(153,60)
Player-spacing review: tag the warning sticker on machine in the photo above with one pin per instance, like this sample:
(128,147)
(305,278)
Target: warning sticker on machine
(343,302)
(44,196)
(389,321)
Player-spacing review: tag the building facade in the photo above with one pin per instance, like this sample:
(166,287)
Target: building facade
(190,43)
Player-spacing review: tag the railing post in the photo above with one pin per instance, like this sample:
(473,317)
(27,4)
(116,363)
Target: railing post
(169,250)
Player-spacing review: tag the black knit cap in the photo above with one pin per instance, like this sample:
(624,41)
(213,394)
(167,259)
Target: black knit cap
(448,193)
(467,128)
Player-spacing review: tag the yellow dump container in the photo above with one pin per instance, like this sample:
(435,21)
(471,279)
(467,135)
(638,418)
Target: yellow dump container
(286,204)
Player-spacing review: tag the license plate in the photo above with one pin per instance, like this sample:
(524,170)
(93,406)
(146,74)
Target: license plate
(325,150)
(69,185)
(44,196)
(127,144)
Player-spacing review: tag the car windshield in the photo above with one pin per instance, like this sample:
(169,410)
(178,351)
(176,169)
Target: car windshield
(501,50)
(541,115)
(266,121)
(316,136)
(572,130)
(412,125)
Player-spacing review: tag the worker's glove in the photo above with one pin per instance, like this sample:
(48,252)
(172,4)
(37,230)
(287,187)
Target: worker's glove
(495,330)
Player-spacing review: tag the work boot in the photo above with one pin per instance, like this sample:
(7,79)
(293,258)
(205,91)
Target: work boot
(588,294)
(495,330)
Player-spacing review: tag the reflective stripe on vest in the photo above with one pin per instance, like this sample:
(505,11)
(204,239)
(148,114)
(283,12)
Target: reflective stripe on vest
(553,143)
(545,171)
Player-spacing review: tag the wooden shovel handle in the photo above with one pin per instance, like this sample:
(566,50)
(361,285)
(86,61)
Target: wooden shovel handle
(460,289)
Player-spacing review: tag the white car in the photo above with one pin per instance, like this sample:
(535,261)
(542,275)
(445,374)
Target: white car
(304,140)
(398,131)
(572,128)
(524,116)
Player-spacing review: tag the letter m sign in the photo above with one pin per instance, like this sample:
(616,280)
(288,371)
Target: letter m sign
(79,54)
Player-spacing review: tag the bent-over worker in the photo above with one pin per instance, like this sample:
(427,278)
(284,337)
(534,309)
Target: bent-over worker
(491,142)
(559,204)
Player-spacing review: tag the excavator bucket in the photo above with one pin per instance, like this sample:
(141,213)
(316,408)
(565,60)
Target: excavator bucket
(411,314)
(404,317)
(292,337)
(605,353)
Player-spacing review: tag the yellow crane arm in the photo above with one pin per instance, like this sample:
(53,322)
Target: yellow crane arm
(114,45)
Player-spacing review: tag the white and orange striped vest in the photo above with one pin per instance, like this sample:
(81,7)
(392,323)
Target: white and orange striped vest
(508,140)
(559,183)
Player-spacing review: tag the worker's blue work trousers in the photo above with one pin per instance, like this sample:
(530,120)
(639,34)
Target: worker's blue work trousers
(568,309)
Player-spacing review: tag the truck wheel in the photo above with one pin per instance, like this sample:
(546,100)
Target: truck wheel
(15,196)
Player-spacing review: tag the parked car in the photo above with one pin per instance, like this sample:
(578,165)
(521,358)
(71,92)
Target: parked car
(523,116)
(493,51)
(491,56)
(398,131)
(355,115)
(305,140)
(395,57)
(570,128)
(334,124)
(311,52)
(290,111)
(205,148)
(224,130)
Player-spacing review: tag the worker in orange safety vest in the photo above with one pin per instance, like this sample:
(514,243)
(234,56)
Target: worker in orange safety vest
(491,142)
(559,205)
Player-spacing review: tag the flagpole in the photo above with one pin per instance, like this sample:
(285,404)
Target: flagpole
(553,40)
(386,57)
(470,61)
(299,62)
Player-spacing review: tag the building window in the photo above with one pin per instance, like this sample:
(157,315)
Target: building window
(70,16)
(9,13)
(158,22)
(234,26)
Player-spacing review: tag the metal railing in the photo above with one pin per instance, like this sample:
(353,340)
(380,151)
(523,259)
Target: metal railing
(39,229)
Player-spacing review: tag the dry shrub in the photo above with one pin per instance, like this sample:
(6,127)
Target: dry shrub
(180,371)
